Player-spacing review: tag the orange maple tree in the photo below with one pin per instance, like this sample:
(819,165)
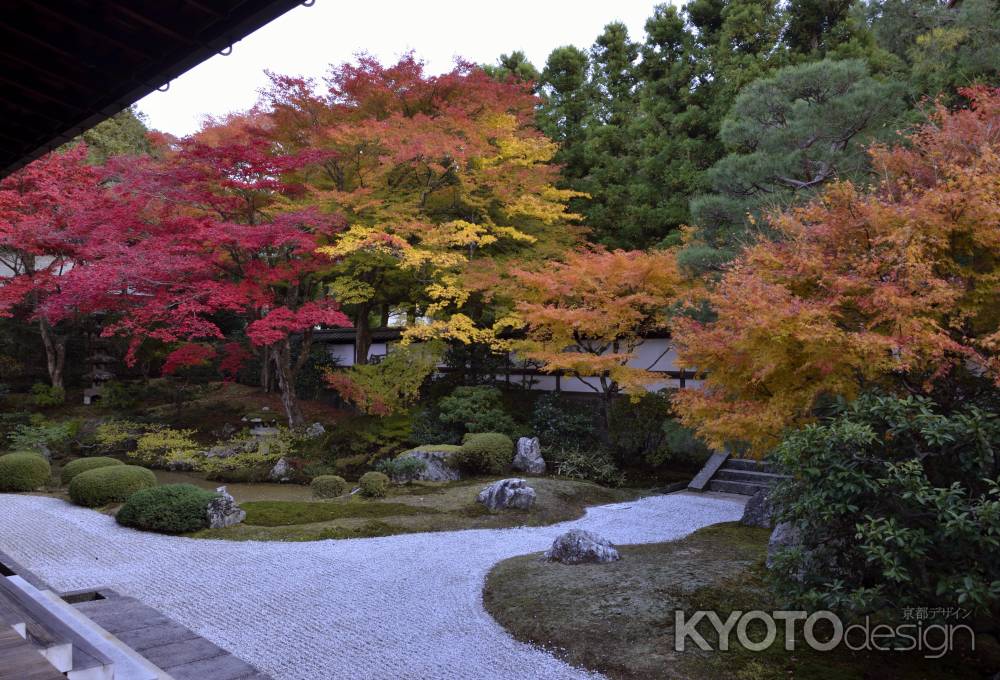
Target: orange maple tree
(896,287)
(587,315)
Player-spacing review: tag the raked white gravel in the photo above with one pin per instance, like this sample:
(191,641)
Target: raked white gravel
(405,606)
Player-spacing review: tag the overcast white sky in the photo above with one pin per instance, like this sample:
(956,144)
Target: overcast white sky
(306,40)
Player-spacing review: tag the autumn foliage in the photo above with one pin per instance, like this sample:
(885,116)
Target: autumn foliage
(586,315)
(897,287)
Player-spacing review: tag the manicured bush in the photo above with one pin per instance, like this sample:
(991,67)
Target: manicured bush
(374,484)
(112,484)
(75,467)
(328,486)
(896,503)
(487,453)
(168,509)
(23,471)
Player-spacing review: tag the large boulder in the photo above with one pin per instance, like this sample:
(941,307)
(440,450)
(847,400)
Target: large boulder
(507,493)
(281,472)
(315,430)
(785,535)
(437,464)
(578,547)
(529,456)
(223,511)
(758,511)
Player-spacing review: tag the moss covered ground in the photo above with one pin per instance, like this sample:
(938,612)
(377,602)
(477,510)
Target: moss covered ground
(618,618)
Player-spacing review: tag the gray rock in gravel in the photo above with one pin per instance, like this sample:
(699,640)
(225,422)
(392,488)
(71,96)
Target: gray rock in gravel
(437,466)
(529,456)
(223,510)
(315,430)
(785,535)
(281,472)
(758,511)
(507,493)
(579,547)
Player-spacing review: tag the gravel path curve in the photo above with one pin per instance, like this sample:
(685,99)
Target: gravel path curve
(396,607)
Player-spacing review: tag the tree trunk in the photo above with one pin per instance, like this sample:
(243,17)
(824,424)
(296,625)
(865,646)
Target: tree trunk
(265,369)
(282,354)
(362,335)
(55,352)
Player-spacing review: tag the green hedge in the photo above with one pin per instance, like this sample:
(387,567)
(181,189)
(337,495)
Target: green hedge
(23,471)
(488,453)
(75,467)
(374,484)
(168,509)
(112,484)
(328,486)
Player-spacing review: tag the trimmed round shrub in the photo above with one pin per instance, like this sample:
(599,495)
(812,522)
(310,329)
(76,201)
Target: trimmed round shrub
(488,452)
(328,486)
(112,484)
(75,467)
(23,471)
(374,484)
(168,509)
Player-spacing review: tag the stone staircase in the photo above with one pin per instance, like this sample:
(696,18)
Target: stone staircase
(734,475)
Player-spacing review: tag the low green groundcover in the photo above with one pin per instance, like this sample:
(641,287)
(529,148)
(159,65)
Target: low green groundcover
(75,467)
(283,513)
(23,471)
(112,484)
(168,509)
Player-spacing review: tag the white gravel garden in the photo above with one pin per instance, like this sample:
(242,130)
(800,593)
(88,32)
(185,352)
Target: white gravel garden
(407,606)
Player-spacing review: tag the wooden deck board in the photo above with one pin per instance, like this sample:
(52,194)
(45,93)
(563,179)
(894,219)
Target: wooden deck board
(176,649)
(19,660)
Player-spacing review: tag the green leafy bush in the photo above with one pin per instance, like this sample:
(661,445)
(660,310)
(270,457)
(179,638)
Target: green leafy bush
(635,428)
(403,469)
(75,467)
(487,453)
(477,409)
(328,486)
(112,484)
(561,425)
(680,445)
(120,396)
(428,428)
(367,437)
(43,435)
(897,504)
(45,396)
(168,509)
(245,455)
(596,466)
(11,419)
(23,471)
(160,446)
(120,436)
(374,484)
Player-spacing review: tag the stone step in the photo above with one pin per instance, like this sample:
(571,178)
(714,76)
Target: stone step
(85,662)
(765,478)
(748,465)
(32,622)
(741,488)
